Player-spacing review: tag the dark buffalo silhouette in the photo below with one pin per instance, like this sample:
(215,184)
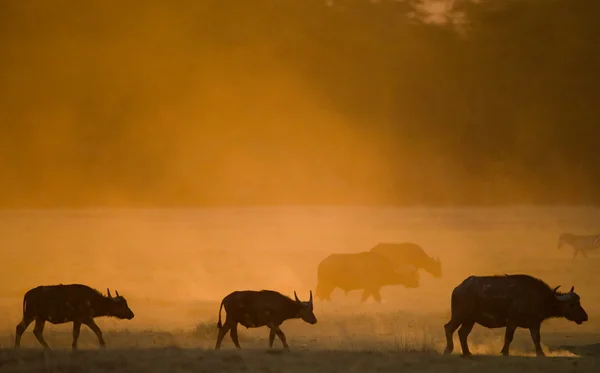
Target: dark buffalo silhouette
(367,271)
(254,309)
(511,301)
(59,304)
(406,253)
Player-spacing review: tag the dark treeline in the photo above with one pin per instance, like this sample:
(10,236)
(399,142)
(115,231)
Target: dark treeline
(280,101)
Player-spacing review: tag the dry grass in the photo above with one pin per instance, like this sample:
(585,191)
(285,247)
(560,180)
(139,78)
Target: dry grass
(175,266)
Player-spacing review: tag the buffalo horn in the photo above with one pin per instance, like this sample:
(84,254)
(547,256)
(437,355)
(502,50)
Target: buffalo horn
(117,292)
(310,297)
(108,292)
(295,296)
(572,288)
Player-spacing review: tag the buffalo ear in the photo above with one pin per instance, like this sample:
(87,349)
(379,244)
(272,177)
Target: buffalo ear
(108,292)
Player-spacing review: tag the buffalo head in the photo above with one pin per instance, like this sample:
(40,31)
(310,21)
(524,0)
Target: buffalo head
(306,309)
(570,306)
(119,307)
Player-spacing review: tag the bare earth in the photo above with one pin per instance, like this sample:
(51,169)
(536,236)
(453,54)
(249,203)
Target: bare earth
(175,266)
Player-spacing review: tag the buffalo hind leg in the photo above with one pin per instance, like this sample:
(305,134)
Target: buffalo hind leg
(537,340)
(23,325)
(92,325)
(508,338)
(450,328)
(38,331)
(463,334)
(324,291)
(233,333)
(76,331)
(222,332)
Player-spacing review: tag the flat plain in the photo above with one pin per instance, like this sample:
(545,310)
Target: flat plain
(175,265)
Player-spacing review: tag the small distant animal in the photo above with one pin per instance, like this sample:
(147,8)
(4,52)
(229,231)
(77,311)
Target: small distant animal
(59,304)
(407,253)
(579,243)
(511,301)
(254,309)
(368,271)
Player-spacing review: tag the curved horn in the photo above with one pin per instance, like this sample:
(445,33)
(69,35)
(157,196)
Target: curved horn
(116,292)
(295,296)
(572,288)
(555,289)
(108,292)
(310,300)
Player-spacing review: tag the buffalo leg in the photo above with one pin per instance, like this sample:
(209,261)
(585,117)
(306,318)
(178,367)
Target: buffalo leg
(537,340)
(222,331)
(508,338)
(463,334)
(21,329)
(450,328)
(324,291)
(38,331)
(366,293)
(376,295)
(76,331)
(271,337)
(233,333)
(94,327)
(281,336)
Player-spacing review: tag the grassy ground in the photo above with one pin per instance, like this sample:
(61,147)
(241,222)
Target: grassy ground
(174,267)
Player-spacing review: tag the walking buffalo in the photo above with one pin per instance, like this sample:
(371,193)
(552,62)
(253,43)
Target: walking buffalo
(367,271)
(59,304)
(511,301)
(254,309)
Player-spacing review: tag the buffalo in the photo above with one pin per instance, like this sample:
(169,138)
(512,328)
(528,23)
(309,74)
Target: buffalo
(254,309)
(406,253)
(511,301)
(59,304)
(366,270)
(580,243)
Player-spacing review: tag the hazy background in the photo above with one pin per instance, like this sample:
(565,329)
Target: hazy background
(149,103)
(144,144)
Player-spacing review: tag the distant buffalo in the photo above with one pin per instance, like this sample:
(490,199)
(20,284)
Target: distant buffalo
(406,253)
(511,301)
(368,271)
(580,243)
(75,303)
(254,309)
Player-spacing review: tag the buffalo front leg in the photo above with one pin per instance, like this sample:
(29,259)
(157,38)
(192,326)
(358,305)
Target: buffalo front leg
(537,340)
(94,327)
(76,331)
(21,329)
(38,331)
(463,334)
(281,336)
(508,338)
